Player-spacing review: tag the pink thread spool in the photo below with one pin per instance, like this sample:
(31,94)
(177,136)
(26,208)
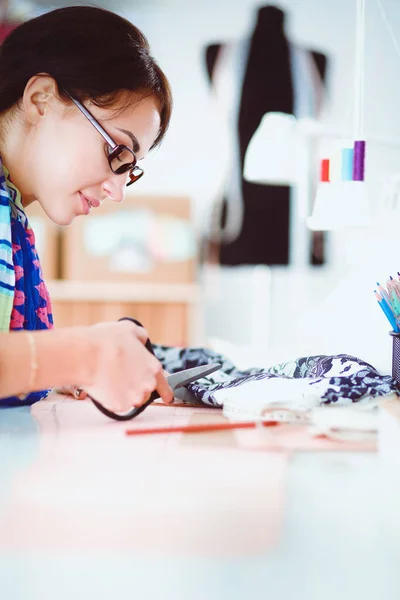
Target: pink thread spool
(359,161)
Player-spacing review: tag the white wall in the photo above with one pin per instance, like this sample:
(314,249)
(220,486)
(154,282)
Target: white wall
(190,158)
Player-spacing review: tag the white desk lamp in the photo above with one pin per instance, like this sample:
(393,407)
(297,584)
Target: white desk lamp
(269,156)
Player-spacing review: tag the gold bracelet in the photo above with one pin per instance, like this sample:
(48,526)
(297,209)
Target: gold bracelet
(34,362)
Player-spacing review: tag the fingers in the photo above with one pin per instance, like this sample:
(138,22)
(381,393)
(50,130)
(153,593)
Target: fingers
(140,332)
(166,394)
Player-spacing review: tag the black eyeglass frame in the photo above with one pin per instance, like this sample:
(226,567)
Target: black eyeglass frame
(116,149)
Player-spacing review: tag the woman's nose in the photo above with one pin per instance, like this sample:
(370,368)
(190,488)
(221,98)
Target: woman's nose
(115,187)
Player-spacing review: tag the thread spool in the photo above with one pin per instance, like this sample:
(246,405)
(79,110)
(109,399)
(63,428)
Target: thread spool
(324,175)
(359,161)
(347,164)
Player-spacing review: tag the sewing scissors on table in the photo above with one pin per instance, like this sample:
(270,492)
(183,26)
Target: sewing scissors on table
(175,381)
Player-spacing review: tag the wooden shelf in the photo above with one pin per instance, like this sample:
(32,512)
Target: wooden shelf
(168,311)
(94,291)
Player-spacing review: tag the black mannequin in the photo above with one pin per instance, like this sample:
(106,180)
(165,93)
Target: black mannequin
(267,87)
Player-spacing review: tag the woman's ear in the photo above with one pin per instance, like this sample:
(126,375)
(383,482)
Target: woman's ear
(39,93)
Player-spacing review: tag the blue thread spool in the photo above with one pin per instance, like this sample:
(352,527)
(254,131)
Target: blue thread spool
(347,164)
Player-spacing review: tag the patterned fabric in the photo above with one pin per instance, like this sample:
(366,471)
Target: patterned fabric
(7,274)
(32,305)
(24,299)
(333,379)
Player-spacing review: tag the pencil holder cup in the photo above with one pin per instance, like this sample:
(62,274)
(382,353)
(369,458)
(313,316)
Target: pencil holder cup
(396,355)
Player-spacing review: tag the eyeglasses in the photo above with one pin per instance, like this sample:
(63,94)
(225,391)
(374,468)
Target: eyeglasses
(120,158)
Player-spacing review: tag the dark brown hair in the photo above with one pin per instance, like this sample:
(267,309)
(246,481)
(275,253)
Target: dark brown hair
(92,53)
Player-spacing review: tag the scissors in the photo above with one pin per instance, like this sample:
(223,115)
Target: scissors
(175,381)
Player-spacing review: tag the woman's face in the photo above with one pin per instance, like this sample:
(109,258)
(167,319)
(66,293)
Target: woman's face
(63,156)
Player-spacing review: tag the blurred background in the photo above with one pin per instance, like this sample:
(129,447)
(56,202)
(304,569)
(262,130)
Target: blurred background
(212,247)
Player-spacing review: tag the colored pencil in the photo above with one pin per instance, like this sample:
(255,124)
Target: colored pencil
(387,311)
(383,292)
(201,428)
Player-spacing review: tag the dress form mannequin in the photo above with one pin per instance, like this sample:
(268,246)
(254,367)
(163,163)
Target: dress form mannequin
(266,86)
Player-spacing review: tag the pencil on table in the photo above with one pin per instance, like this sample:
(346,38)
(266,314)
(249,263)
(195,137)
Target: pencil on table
(204,427)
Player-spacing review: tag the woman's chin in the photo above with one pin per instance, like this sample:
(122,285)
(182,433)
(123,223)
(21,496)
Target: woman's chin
(58,217)
(62,219)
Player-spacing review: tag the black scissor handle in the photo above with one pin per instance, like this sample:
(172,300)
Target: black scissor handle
(131,414)
(135,411)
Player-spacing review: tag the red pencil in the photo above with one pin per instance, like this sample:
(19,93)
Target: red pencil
(201,428)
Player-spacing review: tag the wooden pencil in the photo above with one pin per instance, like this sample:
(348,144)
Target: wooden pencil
(202,428)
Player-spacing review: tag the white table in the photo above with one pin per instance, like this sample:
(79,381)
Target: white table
(336,541)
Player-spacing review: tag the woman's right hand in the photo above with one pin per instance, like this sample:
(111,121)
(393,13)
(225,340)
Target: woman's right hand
(123,373)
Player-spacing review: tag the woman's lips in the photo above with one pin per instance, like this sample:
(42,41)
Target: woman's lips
(86,206)
(92,201)
(88,203)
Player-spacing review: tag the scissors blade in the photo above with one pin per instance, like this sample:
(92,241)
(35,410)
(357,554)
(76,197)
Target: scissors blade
(182,378)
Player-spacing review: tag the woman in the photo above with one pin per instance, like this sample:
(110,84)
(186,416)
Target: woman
(81,104)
